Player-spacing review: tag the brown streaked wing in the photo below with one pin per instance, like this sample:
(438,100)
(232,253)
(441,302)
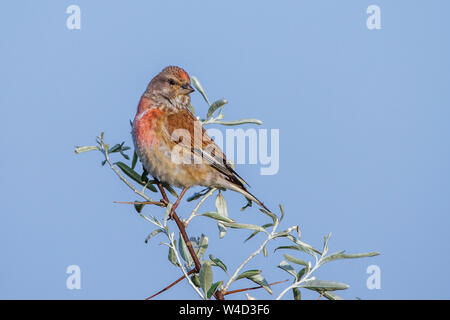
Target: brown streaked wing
(209,150)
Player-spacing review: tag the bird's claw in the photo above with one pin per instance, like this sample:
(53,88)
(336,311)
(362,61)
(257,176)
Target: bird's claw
(164,202)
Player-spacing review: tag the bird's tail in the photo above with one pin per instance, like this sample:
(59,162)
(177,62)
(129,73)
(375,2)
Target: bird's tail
(247,194)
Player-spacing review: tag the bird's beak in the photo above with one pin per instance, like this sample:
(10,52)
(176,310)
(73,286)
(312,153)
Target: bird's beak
(187,88)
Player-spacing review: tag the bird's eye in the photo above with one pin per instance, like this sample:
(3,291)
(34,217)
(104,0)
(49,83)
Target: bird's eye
(171,81)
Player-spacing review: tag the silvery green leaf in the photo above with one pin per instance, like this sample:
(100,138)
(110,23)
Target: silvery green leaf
(342,255)
(198,195)
(202,246)
(285,233)
(195,280)
(134,161)
(325,243)
(294,239)
(244,226)
(297,294)
(259,279)
(302,272)
(172,257)
(305,248)
(135,176)
(222,209)
(321,285)
(217,216)
(79,150)
(295,260)
(332,296)
(218,262)
(215,105)
(169,188)
(144,175)
(195,243)
(167,212)
(222,229)
(248,205)
(284,265)
(156,221)
(251,236)
(184,251)
(282,212)
(301,245)
(221,205)
(248,273)
(116,148)
(213,289)
(265,226)
(153,233)
(138,207)
(199,88)
(206,277)
(238,122)
(270,214)
(125,155)
(265,253)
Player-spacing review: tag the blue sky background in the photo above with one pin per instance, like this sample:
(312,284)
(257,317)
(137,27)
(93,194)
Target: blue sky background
(364,132)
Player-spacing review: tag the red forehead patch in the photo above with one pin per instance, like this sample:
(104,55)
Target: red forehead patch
(177,72)
(183,75)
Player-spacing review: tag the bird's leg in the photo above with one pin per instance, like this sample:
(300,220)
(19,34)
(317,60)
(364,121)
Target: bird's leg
(175,205)
(164,200)
(179,223)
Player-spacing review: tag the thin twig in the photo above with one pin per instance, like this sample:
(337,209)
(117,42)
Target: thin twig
(305,278)
(254,254)
(193,214)
(181,228)
(158,203)
(171,285)
(252,288)
(218,295)
(114,168)
(172,244)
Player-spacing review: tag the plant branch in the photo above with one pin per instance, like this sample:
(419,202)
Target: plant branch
(157,203)
(181,227)
(170,285)
(117,172)
(104,150)
(304,279)
(252,288)
(180,263)
(250,257)
(193,214)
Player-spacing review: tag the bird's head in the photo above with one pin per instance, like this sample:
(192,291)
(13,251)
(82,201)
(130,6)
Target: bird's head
(172,84)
